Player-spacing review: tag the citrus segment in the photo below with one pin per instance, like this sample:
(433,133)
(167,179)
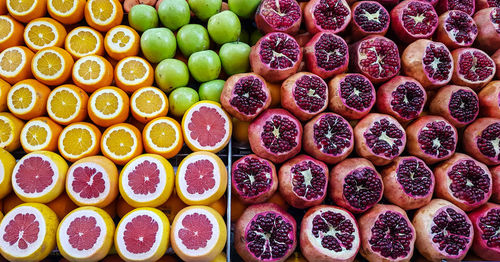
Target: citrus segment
(121,41)
(44,32)
(198,234)
(11,32)
(206,127)
(121,143)
(103,14)
(10,131)
(7,163)
(83,41)
(108,106)
(162,136)
(201,178)
(15,64)
(79,140)
(148,103)
(27,232)
(66,11)
(132,73)
(67,104)
(142,235)
(52,66)
(4,89)
(62,205)
(28,99)
(40,133)
(92,72)
(26,10)
(146,181)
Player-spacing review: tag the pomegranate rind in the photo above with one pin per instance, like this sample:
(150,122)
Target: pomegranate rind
(7,163)
(338,104)
(312,61)
(357,32)
(289,102)
(470,140)
(214,246)
(495,175)
(496,58)
(397,21)
(460,79)
(265,26)
(52,191)
(446,36)
(488,35)
(312,22)
(103,243)
(489,100)
(440,104)
(479,245)
(45,239)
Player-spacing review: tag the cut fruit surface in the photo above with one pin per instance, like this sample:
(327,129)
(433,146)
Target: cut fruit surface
(67,104)
(163,136)
(132,73)
(92,72)
(79,140)
(83,41)
(44,32)
(66,11)
(121,41)
(7,163)
(121,143)
(52,66)
(148,103)
(103,14)
(40,133)
(11,32)
(28,99)
(10,131)
(108,106)
(26,10)
(15,64)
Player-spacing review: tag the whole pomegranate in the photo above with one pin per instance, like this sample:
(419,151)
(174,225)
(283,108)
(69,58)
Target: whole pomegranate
(326,55)
(473,68)
(486,222)
(405,24)
(481,139)
(495,175)
(327,15)
(488,23)
(457,104)
(278,16)
(305,95)
(456,29)
(369,18)
(489,100)
(351,95)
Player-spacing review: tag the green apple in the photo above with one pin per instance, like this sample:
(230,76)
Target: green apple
(224,27)
(143,17)
(204,9)
(255,36)
(192,38)
(174,13)
(171,73)
(235,57)
(244,36)
(204,65)
(243,8)
(181,99)
(158,44)
(211,90)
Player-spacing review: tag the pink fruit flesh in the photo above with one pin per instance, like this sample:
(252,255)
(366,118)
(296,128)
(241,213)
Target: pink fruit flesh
(88,183)
(34,175)
(200,176)
(467,6)
(456,29)
(196,231)
(254,179)
(457,104)
(486,222)
(140,234)
(473,68)
(326,55)
(305,95)
(327,15)
(488,25)
(482,140)
(489,100)
(83,233)
(202,121)
(278,16)
(413,19)
(144,179)
(351,95)
(22,231)
(368,18)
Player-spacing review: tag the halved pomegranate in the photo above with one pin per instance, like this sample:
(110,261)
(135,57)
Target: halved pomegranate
(456,29)
(488,25)
(253,179)
(278,16)
(489,100)
(482,140)
(326,55)
(327,15)
(473,68)
(486,222)
(495,175)
(351,95)
(457,104)
(414,19)
(467,6)
(305,95)
(368,18)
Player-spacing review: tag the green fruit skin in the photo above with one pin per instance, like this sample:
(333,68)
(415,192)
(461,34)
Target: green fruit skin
(174,13)
(211,90)
(158,44)
(235,57)
(244,36)
(181,99)
(170,74)
(243,8)
(143,17)
(192,38)
(204,65)
(224,27)
(204,9)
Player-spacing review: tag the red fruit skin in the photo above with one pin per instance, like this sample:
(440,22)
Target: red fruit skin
(398,26)
(442,36)
(337,105)
(470,136)
(459,79)
(285,178)
(442,6)
(288,101)
(496,60)
(310,19)
(366,223)
(443,182)
(265,27)
(488,36)
(440,104)
(495,175)
(312,63)
(479,245)
(303,38)
(483,4)
(489,100)
(356,31)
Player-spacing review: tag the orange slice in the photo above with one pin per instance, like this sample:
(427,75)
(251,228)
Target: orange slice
(92,181)
(26,10)
(83,41)
(201,178)
(103,14)
(11,32)
(85,234)
(79,140)
(27,232)
(108,106)
(15,64)
(121,143)
(44,32)
(162,136)
(146,181)
(132,73)
(67,104)
(10,131)
(198,234)
(148,103)
(28,99)
(62,205)
(4,90)
(7,163)
(40,133)
(92,72)
(66,11)
(206,127)
(122,41)
(39,177)
(142,235)
(52,66)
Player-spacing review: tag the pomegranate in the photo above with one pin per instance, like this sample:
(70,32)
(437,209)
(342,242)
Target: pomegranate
(276,56)
(351,95)
(482,140)
(329,234)
(303,38)
(303,181)
(386,234)
(253,179)
(408,182)
(379,138)
(245,96)
(496,59)
(463,181)
(305,95)
(482,4)
(328,137)
(413,19)
(355,185)
(473,68)
(326,55)
(444,232)
(486,223)
(489,100)
(401,97)
(431,138)
(275,135)
(376,57)
(327,15)
(495,175)
(456,29)
(467,6)
(457,104)
(265,232)
(488,25)
(368,18)
(278,16)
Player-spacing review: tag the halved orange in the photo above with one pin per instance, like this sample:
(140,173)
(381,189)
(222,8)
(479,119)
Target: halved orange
(26,10)
(122,41)
(83,41)
(40,133)
(92,72)
(67,104)
(28,99)
(10,131)
(44,32)
(4,90)
(15,64)
(108,106)
(66,11)
(52,66)
(148,103)
(11,32)
(163,136)
(132,73)
(103,14)
(121,143)
(7,163)
(79,140)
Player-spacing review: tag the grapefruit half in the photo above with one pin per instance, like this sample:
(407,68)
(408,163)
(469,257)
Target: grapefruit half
(7,163)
